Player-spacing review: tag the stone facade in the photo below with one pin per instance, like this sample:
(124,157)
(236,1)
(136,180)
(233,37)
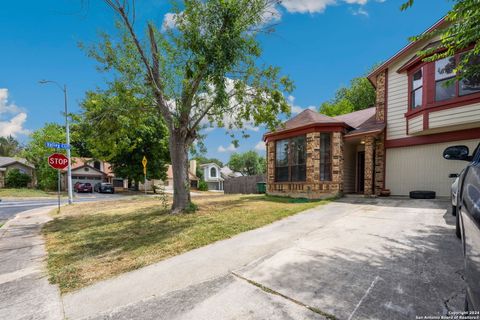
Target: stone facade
(312,188)
(369,161)
(381,96)
(379,164)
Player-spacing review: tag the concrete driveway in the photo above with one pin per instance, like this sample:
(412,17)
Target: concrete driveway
(351,259)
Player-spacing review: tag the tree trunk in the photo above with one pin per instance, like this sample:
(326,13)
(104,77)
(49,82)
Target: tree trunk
(181,180)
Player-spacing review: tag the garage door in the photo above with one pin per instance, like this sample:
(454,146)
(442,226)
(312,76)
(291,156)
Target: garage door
(422,168)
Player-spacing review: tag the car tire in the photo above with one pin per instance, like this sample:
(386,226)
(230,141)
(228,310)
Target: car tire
(457,227)
(422,194)
(454,210)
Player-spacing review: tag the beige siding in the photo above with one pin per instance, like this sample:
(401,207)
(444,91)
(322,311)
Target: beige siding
(397,104)
(415,124)
(422,168)
(458,116)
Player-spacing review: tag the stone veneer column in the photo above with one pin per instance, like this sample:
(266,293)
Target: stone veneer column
(369,169)
(313,160)
(380,97)
(337,162)
(379,164)
(270,165)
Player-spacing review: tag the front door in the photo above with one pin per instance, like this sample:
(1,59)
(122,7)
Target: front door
(361,172)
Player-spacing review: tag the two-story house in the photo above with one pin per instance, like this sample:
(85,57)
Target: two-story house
(395,145)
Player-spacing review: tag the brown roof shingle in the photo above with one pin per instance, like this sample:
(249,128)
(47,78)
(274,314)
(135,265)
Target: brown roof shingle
(307,117)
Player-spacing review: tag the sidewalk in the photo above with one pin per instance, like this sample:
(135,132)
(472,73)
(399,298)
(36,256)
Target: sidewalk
(25,292)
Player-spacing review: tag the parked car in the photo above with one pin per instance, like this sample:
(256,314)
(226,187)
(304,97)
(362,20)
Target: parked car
(468,215)
(83,187)
(103,187)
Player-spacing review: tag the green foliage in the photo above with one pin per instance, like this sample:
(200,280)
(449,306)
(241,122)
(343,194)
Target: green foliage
(203,72)
(202,185)
(359,95)
(17,179)
(459,33)
(249,163)
(118,127)
(9,147)
(191,208)
(37,153)
(205,160)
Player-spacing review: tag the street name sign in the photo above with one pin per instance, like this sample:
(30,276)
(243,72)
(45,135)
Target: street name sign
(56,145)
(58,161)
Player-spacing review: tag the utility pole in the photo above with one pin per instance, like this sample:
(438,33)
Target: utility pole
(67,127)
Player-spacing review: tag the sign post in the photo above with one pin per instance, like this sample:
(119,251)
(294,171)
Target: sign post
(144,162)
(59,162)
(66,146)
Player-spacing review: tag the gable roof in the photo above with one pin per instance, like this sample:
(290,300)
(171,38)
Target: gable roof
(90,168)
(357,118)
(80,162)
(308,117)
(210,164)
(5,161)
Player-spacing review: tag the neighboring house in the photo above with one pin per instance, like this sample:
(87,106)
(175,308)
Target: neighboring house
(191,173)
(396,145)
(93,171)
(9,163)
(213,176)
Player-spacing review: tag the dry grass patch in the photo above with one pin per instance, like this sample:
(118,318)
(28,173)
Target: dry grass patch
(25,193)
(94,241)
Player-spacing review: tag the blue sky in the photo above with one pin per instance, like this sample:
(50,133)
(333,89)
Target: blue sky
(320,44)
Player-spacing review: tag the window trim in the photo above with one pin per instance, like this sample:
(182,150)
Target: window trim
(290,160)
(429,91)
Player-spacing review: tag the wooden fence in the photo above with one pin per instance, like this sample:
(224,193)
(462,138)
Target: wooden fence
(244,185)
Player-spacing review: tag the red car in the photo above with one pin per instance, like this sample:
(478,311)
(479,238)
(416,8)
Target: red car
(83,187)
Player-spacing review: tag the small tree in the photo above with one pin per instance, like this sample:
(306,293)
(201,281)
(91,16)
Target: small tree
(17,179)
(249,163)
(202,72)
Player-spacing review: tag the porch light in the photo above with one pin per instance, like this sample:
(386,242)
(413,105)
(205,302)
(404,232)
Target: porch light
(362,142)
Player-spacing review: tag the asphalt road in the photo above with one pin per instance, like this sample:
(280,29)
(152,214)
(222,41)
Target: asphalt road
(9,208)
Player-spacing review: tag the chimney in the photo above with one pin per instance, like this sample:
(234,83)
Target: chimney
(193,166)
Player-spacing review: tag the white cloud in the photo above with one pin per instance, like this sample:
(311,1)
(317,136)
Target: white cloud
(297,109)
(360,12)
(307,6)
(260,146)
(169,21)
(230,148)
(12,117)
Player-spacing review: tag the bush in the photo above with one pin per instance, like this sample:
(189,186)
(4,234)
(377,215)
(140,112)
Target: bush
(17,179)
(202,186)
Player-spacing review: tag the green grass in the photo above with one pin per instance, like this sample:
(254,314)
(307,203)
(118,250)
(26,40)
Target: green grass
(24,193)
(94,241)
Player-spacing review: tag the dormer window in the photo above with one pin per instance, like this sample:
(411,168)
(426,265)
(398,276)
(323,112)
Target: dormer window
(213,172)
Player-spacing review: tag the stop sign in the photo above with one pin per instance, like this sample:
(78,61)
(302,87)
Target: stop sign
(58,161)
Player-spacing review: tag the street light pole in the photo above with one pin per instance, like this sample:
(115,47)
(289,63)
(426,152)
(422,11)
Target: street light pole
(67,127)
(69,170)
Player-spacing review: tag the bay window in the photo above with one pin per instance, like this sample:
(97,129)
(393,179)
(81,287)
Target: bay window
(291,159)
(470,84)
(445,87)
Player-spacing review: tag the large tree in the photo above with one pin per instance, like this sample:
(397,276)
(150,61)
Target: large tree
(359,95)
(249,163)
(460,32)
(37,153)
(201,72)
(118,128)
(9,147)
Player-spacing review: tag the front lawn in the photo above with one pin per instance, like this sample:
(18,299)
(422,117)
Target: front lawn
(24,193)
(94,241)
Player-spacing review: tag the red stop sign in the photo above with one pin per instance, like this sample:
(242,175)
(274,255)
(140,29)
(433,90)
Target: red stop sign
(58,161)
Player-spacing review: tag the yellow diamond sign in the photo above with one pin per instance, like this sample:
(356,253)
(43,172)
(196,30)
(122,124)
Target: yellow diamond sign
(144,161)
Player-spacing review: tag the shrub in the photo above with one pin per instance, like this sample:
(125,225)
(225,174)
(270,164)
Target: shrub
(202,186)
(17,179)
